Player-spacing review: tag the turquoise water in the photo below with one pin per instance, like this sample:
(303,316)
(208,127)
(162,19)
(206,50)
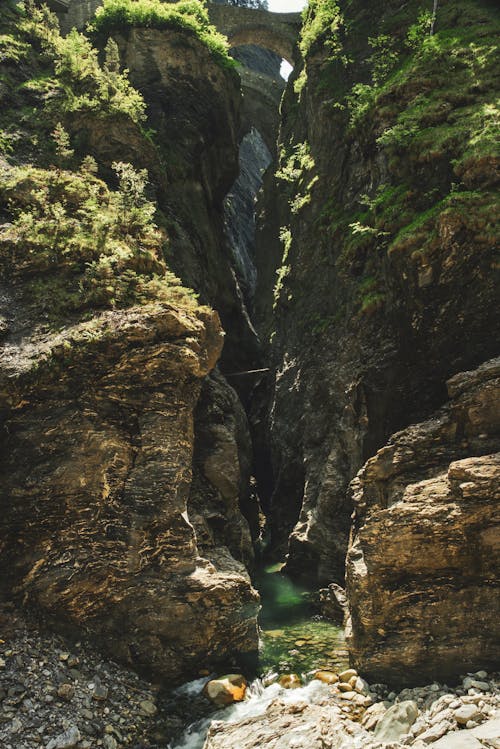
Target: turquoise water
(294,640)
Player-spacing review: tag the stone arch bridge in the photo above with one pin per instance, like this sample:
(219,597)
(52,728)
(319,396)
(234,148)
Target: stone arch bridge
(275,31)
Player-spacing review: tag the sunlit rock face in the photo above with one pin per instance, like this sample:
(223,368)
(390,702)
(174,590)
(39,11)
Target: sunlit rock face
(95,472)
(422,588)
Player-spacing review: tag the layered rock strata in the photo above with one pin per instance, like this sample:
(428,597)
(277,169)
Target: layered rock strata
(96,469)
(104,352)
(422,564)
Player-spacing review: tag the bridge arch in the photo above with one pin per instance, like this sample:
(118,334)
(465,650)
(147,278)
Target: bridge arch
(275,31)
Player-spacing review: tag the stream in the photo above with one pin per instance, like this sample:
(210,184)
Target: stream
(293,640)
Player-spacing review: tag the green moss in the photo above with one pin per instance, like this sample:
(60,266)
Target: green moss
(186,15)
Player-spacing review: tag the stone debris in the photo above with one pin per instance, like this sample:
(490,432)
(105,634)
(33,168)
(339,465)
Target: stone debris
(435,716)
(54,696)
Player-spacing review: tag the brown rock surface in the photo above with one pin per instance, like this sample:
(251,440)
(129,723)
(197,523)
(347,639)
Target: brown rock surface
(220,490)
(380,299)
(95,472)
(423,560)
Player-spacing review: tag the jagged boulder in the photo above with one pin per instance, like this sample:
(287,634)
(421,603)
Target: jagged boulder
(421,581)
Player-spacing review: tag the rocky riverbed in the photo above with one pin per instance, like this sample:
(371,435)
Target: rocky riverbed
(60,694)
(351,714)
(57,695)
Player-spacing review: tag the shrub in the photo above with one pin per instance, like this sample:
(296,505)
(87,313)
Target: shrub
(189,15)
(84,245)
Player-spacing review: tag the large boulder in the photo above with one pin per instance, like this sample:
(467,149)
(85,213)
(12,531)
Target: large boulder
(397,721)
(422,588)
(96,461)
(226,689)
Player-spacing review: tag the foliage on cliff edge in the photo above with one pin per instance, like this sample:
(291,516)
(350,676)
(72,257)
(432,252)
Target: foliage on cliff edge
(72,243)
(415,97)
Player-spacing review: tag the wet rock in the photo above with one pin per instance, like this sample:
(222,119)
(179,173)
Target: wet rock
(226,689)
(290,681)
(327,677)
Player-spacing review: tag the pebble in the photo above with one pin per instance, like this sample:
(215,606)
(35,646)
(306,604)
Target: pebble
(147,707)
(66,691)
(66,740)
(43,707)
(465,713)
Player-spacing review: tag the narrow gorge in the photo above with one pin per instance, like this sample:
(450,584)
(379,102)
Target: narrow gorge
(249,374)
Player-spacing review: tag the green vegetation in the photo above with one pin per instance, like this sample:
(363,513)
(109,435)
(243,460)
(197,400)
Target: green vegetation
(187,15)
(78,245)
(60,80)
(284,269)
(79,82)
(322,21)
(72,243)
(416,99)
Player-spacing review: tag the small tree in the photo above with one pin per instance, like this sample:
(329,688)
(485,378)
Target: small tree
(64,152)
(111,56)
(89,166)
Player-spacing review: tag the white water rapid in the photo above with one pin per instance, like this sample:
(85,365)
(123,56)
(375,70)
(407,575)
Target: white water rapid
(257,700)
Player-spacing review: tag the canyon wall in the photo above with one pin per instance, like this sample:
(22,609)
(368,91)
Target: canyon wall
(378,235)
(421,566)
(120,516)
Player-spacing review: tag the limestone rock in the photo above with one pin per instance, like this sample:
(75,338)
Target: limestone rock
(466,713)
(397,721)
(488,733)
(458,740)
(226,689)
(290,681)
(415,580)
(282,727)
(333,602)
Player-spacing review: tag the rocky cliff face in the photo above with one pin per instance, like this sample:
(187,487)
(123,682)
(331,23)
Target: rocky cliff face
(104,352)
(96,469)
(425,544)
(383,247)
